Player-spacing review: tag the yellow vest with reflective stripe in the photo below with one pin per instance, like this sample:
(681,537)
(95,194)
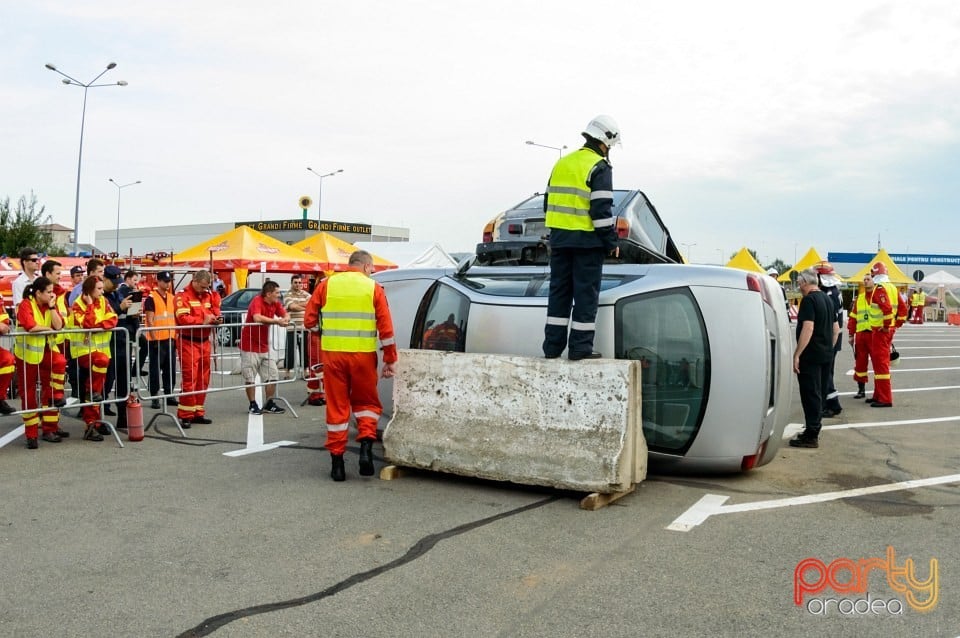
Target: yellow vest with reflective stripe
(87,342)
(875,314)
(861,314)
(163,317)
(29,347)
(894,296)
(67,317)
(349,320)
(568,196)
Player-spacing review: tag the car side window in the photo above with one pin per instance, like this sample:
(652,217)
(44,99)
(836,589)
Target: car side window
(445,321)
(655,233)
(246,297)
(665,332)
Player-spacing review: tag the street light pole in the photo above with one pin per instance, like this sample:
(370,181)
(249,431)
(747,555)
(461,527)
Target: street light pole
(83,117)
(320,193)
(689,245)
(556,148)
(120,188)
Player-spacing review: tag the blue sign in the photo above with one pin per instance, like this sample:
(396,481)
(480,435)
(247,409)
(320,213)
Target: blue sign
(901,259)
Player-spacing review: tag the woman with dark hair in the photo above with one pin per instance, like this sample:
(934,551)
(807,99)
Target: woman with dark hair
(37,359)
(92,349)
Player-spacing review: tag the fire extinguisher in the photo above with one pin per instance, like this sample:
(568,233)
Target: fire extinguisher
(134,418)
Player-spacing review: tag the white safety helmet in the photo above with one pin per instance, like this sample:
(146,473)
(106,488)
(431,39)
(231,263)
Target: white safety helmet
(603,128)
(773,272)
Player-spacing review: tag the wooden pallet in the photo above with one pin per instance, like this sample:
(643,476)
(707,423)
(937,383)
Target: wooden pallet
(592,502)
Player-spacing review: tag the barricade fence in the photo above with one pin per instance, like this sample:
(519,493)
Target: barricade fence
(214,365)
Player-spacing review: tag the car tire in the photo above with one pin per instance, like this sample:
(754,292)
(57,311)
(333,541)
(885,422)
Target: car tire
(225,336)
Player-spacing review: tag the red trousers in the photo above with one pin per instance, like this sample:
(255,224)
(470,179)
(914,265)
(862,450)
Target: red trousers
(350,381)
(880,357)
(861,351)
(313,370)
(28,375)
(195,376)
(7,367)
(96,363)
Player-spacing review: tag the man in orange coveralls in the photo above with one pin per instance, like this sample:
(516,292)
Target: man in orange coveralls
(352,310)
(196,306)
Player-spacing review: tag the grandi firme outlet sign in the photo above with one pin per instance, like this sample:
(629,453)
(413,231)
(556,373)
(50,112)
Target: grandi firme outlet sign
(308,224)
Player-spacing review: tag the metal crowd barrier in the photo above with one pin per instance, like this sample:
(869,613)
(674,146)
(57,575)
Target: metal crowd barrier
(77,397)
(225,374)
(224,365)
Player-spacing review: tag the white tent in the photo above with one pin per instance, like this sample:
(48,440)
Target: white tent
(941,278)
(410,254)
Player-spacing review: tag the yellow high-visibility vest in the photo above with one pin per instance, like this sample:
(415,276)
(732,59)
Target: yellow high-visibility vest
(568,196)
(29,347)
(349,318)
(88,342)
(862,313)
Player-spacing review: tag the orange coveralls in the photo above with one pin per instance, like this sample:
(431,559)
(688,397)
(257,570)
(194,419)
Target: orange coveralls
(194,347)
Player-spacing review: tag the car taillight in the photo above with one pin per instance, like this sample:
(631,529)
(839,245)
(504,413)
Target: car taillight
(515,229)
(488,231)
(750,462)
(754,284)
(487,237)
(623,228)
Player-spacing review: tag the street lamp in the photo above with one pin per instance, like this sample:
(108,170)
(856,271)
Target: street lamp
(89,85)
(120,187)
(688,245)
(556,148)
(320,194)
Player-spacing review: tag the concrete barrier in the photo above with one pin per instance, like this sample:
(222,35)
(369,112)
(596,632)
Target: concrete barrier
(571,425)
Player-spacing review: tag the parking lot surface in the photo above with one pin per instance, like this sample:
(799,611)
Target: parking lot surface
(169,537)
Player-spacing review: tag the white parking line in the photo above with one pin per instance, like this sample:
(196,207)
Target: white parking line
(713,504)
(936,356)
(794,428)
(929,347)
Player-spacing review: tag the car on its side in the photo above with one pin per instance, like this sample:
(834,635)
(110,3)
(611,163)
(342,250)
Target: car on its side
(642,235)
(714,344)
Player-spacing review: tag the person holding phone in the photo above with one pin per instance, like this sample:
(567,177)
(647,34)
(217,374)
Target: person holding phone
(197,309)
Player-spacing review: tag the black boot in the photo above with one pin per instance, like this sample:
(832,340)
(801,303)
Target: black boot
(337,471)
(861,391)
(366,457)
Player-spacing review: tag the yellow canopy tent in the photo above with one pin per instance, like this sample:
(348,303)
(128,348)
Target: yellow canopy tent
(745,261)
(331,253)
(243,249)
(810,259)
(897,276)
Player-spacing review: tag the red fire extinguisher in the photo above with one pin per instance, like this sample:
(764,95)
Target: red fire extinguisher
(134,418)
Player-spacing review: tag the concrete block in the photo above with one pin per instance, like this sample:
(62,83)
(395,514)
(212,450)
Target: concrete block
(553,422)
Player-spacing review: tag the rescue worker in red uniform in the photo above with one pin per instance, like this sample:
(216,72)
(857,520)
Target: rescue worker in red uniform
(7,366)
(313,370)
(51,270)
(197,308)
(858,328)
(352,310)
(91,350)
(36,358)
(882,316)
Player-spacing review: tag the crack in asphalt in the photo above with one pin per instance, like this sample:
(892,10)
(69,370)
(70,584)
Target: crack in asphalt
(420,548)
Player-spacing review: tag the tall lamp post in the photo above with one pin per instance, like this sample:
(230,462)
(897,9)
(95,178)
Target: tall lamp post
(560,149)
(320,193)
(689,246)
(89,85)
(120,187)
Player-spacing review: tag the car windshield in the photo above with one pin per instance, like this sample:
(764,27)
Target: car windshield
(522,285)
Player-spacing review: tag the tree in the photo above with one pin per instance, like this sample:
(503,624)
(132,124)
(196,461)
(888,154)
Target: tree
(780,265)
(20,227)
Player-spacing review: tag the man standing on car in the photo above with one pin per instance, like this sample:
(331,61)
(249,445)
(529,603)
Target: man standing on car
(578,207)
(198,312)
(353,311)
(817,331)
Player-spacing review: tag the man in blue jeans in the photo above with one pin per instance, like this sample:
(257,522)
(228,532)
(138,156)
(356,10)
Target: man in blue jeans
(578,208)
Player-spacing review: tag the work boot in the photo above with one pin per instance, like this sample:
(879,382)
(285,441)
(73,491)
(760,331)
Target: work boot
(366,457)
(861,391)
(337,471)
(6,408)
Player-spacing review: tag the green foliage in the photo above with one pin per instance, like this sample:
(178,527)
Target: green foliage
(780,265)
(20,226)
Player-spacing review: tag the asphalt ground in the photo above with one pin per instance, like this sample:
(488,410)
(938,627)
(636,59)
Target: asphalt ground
(169,537)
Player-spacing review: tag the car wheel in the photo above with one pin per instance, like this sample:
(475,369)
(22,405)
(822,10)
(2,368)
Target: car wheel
(225,336)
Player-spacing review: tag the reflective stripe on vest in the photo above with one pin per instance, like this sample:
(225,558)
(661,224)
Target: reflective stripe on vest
(861,314)
(349,318)
(163,317)
(875,314)
(88,342)
(67,317)
(568,196)
(29,347)
(894,296)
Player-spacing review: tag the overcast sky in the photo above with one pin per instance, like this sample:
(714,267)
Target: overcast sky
(777,126)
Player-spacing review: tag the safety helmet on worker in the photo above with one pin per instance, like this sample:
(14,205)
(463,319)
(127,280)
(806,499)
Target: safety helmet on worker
(773,272)
(828,276)
(603,128)
(879,268)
